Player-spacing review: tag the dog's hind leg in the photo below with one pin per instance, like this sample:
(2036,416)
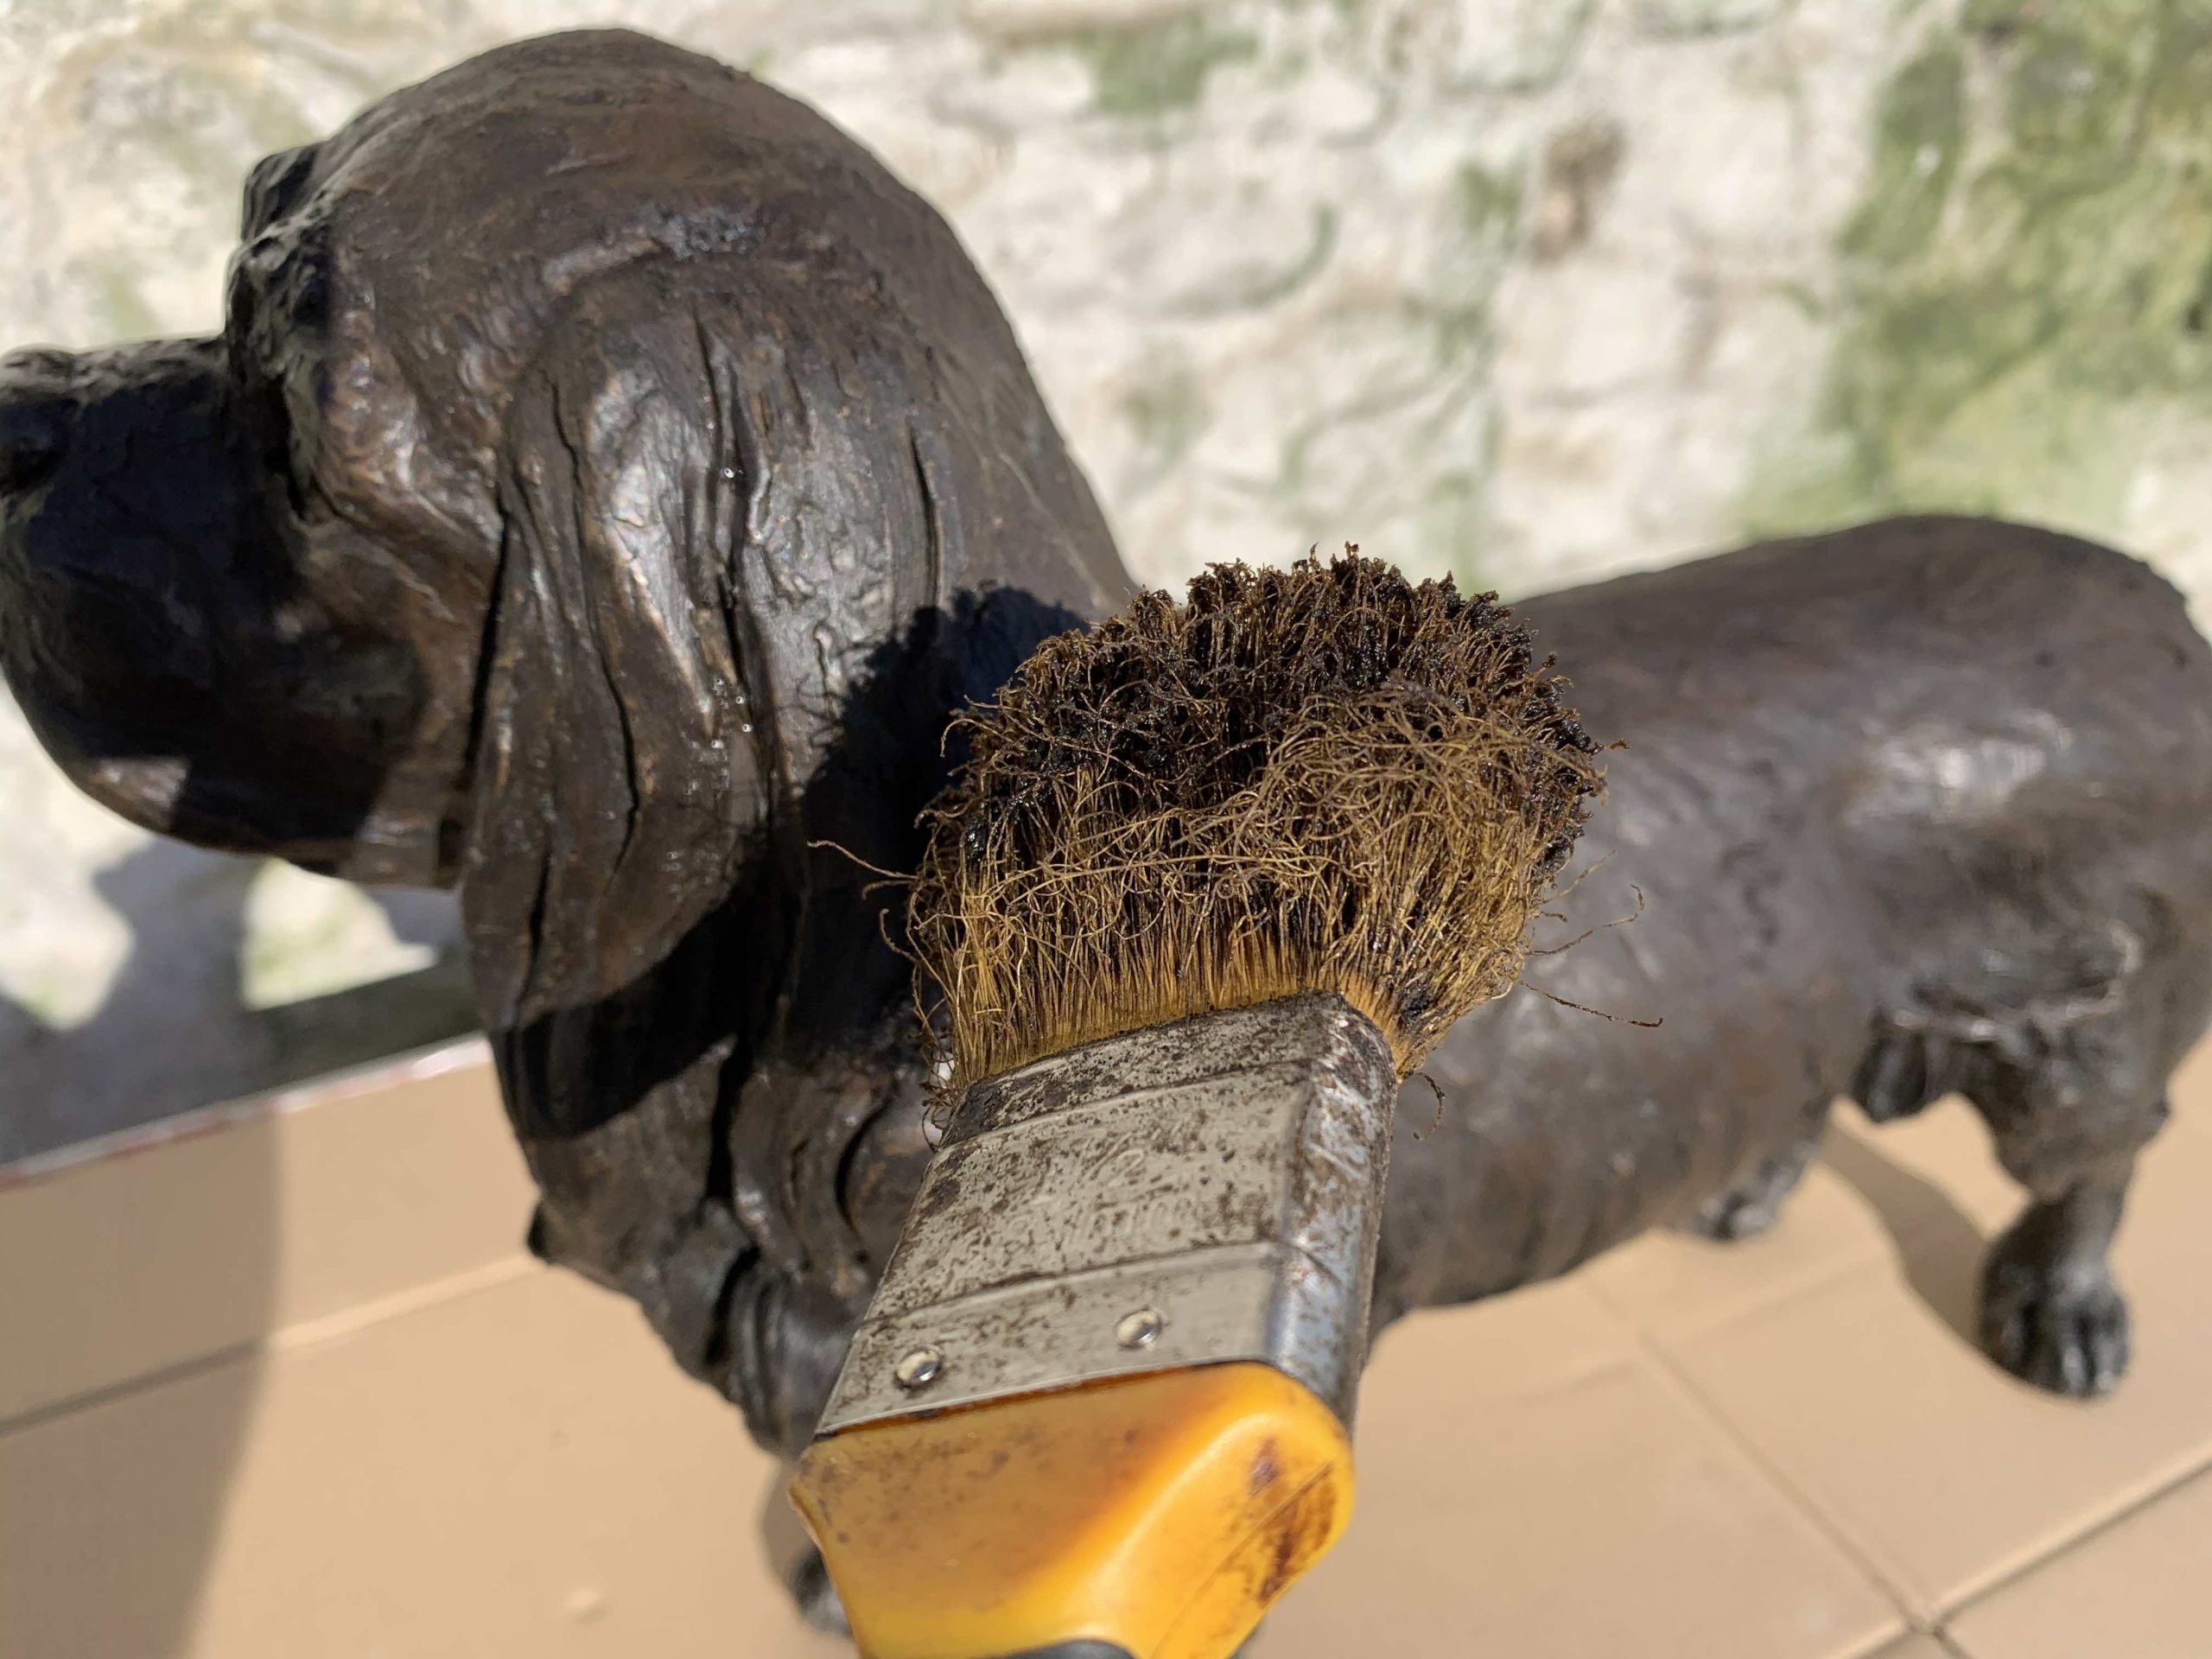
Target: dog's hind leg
(2072,1084)
(1753,1203)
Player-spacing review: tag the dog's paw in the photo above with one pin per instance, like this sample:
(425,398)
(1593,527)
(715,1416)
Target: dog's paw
(1754,1203)
(2064,1327)
(818,1602)
(1727,1217)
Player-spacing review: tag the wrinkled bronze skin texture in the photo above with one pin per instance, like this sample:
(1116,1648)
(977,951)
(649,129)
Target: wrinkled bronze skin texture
(608,481)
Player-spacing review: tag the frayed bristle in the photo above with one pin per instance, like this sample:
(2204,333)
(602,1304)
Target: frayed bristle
(1319,778)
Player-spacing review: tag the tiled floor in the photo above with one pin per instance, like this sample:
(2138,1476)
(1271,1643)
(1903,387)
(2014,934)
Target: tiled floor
(286,1386)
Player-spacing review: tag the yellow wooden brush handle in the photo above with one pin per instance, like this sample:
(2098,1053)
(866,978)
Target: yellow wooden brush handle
(1161,1515)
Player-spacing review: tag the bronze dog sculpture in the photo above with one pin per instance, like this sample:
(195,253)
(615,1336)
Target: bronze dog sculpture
(609,480)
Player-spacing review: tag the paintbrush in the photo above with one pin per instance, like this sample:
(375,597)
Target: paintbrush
(1211,880)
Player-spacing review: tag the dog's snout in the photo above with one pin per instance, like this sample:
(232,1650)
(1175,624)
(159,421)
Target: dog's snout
(36,407)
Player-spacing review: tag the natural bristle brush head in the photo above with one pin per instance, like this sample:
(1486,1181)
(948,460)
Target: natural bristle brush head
(1319,778)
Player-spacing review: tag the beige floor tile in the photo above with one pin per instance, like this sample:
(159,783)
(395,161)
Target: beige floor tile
(1532,1483)
(1543,1337)
(418,1180)
(1863,1393)
(2141,1589)
(120,1266)
(518,1471)
(1673,1281)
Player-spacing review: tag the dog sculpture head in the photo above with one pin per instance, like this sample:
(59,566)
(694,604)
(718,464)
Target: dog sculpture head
(607,478)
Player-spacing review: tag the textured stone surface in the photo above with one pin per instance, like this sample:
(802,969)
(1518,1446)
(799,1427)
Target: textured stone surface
(1529,289)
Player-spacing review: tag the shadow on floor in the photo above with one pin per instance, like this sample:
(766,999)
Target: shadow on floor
(1939,1244)
(174,1032)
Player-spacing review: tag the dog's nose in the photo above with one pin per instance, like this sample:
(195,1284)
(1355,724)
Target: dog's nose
(36,406)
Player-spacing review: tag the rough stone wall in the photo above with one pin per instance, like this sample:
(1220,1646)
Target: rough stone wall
(1529,290)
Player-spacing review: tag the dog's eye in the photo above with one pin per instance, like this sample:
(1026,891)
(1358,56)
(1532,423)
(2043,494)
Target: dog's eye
(34,433)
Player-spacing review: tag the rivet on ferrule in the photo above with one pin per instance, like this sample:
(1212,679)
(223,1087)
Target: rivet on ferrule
(918,1369)
(1140,1329)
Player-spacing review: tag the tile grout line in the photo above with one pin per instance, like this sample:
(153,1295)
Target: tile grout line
(145,1382)
(1794,1494)
(307,1333)
(2198,1468)
(1935,1633)
(1790,1288)
(1938,1627)
(349,1083)
(301,1334)
(2089,1534)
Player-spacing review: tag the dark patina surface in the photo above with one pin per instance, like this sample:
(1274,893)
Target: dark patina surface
(609,479)
(1908,809)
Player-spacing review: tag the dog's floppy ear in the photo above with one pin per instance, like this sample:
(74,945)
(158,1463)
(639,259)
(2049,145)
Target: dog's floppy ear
(614,808)
(614,785)
(728,626)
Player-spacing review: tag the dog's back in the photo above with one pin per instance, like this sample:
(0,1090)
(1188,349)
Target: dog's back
(1909,808)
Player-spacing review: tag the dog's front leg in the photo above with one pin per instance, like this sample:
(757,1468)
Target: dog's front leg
(2051,1313)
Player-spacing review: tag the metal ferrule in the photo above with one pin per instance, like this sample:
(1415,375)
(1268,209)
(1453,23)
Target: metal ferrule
(1202,1191)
